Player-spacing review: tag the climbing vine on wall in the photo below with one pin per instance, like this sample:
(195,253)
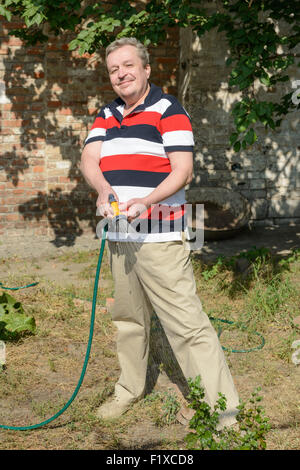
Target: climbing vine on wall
(263,39)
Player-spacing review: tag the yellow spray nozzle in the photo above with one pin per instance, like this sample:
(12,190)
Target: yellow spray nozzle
(114,204)
(119,221)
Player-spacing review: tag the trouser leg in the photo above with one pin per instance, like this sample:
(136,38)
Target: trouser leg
(131,315)
(167,277)
(163,271)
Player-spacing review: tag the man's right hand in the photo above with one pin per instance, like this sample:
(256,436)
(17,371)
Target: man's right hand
(104,209)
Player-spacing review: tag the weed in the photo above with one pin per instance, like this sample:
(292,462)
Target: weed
(262,279)
(283,348)
(294,256)
(237,290)
(266,301)
(108,353)
(152,397)
(252,423)
(256,264)
(51,365)
(13,320)
(213,270)
(169,408)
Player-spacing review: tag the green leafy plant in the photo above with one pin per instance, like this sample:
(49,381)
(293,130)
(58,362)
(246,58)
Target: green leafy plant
(294,256)
(248,434)
(260,52)
(213,270)
(262,263)
(253,424)
(13,320)
(254,38)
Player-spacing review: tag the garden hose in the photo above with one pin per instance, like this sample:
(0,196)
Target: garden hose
(87,355)
(17,288)
(229,322)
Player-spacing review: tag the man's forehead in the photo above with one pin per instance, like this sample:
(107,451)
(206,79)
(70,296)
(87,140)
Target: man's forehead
(121,54)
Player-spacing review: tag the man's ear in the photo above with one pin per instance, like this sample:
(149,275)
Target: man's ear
(148,70)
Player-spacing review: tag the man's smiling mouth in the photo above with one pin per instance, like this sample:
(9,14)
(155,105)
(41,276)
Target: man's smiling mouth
(125,82)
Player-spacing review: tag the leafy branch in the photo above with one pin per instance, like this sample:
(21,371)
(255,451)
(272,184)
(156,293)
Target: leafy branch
(249,433)
(255,41)
(259,51)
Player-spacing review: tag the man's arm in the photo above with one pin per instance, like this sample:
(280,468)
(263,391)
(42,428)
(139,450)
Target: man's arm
(90,169)
(181,174)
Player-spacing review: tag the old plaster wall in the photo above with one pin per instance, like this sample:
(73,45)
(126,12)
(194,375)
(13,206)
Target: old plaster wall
(268,173)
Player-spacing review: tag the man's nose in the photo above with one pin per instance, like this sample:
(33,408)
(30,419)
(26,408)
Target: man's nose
(121,72)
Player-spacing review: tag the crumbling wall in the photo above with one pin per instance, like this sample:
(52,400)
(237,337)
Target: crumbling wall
(268,173)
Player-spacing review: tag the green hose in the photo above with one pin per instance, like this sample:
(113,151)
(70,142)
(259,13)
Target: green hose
(17,288)
(229,322)
(87,354)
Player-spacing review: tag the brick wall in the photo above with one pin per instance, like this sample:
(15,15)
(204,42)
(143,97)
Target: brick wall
(267,174)
(49,97)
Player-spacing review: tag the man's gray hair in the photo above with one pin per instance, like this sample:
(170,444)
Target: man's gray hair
(141,49)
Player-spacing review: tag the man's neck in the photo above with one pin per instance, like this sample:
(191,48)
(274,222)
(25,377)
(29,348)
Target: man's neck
(129,105)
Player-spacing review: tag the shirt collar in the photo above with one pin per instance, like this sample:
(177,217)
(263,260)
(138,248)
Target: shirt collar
(154,95)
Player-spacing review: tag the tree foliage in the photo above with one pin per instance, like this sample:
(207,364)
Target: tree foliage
(262,37)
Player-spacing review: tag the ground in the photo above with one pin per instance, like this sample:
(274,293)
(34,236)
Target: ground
(42,370)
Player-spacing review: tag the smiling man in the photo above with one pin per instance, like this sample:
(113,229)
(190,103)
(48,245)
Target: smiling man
(129,76)
(140,148)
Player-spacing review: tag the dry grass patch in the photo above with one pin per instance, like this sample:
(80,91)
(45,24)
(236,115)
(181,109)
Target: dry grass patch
(42,370)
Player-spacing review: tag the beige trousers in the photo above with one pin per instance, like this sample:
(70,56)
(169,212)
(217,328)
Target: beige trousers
(159,277)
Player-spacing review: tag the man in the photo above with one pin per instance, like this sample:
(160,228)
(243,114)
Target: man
(140,149)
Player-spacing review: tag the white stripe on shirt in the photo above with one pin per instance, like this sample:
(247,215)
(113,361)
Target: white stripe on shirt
(131,146)
(97,131)
(174,138)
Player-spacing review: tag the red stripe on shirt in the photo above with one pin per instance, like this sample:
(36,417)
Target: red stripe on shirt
(135,162)
(107,123)
(162,212)
(112,122)
(147,117)
(174,123)
(99,122)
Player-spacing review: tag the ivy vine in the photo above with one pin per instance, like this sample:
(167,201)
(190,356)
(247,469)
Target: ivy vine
(262,37)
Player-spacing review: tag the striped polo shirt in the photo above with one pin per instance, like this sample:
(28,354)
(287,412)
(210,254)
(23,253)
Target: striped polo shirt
(134,159)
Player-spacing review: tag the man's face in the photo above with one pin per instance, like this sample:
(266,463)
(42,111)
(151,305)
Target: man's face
(128,76)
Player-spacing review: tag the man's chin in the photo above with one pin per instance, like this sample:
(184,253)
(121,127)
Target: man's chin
(127,93)
(126,88)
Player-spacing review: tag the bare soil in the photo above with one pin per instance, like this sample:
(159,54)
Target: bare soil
(42,370)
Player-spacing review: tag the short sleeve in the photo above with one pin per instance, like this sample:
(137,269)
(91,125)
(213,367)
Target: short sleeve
(98,129)
(176,129)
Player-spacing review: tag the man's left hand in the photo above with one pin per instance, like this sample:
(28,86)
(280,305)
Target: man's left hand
(133,208)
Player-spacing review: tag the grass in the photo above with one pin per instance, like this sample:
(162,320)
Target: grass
(255,290)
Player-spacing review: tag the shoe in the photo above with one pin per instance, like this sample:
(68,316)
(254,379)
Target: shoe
(184,415)
(228,420)
(113,409)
